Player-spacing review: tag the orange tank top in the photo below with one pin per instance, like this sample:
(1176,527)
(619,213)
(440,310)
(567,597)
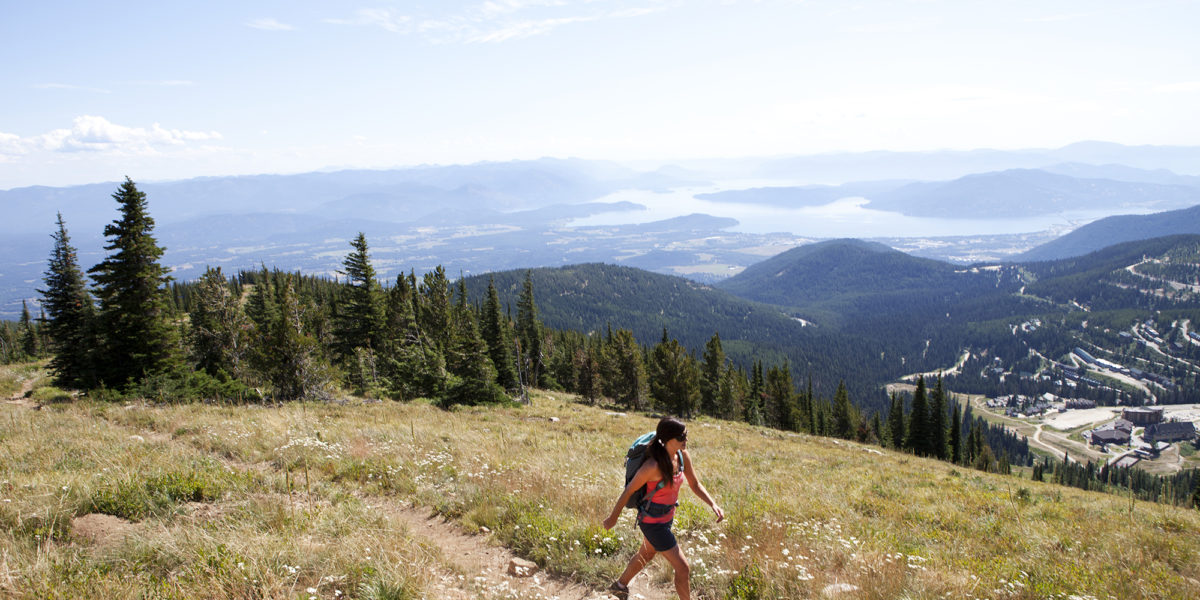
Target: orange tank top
(667,494)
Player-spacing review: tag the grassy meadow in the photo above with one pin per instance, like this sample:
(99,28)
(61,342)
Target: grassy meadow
(290,502)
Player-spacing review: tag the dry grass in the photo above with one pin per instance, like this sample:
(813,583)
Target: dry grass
(289,491)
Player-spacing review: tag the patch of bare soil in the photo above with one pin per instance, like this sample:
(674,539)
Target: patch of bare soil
(489,565)
(199,512)
(101,530)
(21,398)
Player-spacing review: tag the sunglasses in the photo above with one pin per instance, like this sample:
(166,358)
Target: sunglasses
(682,437)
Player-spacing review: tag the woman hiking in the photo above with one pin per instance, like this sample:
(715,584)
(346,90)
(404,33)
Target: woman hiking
(667,461)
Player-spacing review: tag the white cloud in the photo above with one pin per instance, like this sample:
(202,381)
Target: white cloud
(386,18)
(90,133)
(523,29)
(496,21)
(10,144)
(269,24)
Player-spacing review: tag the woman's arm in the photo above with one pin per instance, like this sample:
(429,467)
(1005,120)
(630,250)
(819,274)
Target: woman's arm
(644,475)
(694,482)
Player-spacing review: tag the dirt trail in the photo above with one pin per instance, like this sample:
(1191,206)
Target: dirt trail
(19,397)
(489,564)
(475,566)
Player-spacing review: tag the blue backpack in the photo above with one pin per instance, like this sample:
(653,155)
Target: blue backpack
(633,461)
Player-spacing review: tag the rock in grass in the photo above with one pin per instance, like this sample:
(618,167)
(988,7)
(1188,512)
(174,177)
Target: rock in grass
(519,567)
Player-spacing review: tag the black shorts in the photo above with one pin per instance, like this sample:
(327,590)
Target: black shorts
(659,535)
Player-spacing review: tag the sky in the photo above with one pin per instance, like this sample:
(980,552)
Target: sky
(93,91)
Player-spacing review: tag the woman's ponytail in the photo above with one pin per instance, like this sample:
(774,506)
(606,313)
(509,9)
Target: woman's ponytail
(668,429)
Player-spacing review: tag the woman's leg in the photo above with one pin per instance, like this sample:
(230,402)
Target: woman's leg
(683,572)
(639,561)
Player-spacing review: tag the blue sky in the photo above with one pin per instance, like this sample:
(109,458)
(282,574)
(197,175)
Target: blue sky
(94,91)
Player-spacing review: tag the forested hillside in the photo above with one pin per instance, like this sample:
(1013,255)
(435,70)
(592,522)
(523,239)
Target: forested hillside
(1114,230)
(620,335)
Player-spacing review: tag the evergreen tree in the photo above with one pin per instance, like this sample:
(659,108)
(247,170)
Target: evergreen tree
(29,336)
(674,378)
(261,306)
(845,423)
(467,359)
(136,335)
(956,454)
(219,332)
(495,330)
(781,408)
(755,412)
(937,422)
(587,374)
(529,332)
(70,314)
(711,375)
(896,422)
(410,363)
(918,422)
(360,313)
(628,385)
(297,369)
(734,393)
(433,308)
(810,420)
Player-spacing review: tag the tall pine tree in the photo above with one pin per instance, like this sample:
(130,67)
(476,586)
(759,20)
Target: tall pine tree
(628,385)
(781,406)
(29,335)
(136,336)
(529,332)
(937,422)
(496,333)
(845,417)
(895,422)
(711,375)
(674,378)
(361,310)
(918,422)
(219,331)
(956,454)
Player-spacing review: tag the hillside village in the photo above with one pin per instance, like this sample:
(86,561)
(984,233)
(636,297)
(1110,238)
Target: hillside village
(1124,434)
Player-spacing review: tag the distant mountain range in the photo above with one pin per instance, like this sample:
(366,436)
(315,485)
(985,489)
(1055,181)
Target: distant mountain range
(1114,230)
(1023,192)
(494,216)
(1014,193)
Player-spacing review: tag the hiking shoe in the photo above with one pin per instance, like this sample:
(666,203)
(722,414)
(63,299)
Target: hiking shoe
(619,590)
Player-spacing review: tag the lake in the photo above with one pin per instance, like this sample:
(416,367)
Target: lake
(846,217)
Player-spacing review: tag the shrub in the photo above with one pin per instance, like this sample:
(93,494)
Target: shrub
(51,394)
(193,385)
(135,498)
(746,585)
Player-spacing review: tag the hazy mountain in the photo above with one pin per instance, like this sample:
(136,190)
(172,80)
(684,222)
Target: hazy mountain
(818,272)
(1123,173)
(401,195)
(1023,192)
(1114,230)
(800,196)
(832,168)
